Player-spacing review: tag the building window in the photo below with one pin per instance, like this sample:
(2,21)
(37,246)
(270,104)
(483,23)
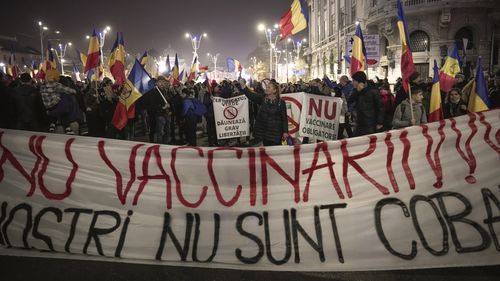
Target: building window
(464,33)
(419,41)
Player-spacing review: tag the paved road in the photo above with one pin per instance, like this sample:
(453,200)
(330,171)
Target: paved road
(17,268)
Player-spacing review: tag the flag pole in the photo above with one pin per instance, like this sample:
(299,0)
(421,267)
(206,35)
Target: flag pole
(161,94)
(411,102)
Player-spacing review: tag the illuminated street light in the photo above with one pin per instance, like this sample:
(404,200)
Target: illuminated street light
(195,42)
(272,41)
(214,60)
(61,53)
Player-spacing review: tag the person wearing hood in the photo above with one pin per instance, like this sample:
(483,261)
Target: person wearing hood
(369,113)
(403,114)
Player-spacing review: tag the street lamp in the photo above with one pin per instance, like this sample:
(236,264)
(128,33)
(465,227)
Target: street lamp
(214,60)
(195,42)
(61,54)
(42,29)
(272,41)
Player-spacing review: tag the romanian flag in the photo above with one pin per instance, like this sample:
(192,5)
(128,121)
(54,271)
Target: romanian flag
(436,108)
(479,100)
(144,59)
(167,64)
(91,75)
(76,72)
(449,70)
(12,68)
(358,58)
(33,68)
(117,60)
(138,83)
(93,54)
(407,65)
(50,62)
(181,76)
(40,75)
(203,68)
(175,69)
(295,19)
(82,57)
(234,65)
(194,70)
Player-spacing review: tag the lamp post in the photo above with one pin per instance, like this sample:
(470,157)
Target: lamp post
(277,55)
(214,61)
(102,38)
(43,29)
(272,40)
(254,60)
(195,43)
(61,54)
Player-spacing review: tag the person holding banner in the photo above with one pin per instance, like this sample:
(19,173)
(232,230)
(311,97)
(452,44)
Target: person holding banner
(271,123)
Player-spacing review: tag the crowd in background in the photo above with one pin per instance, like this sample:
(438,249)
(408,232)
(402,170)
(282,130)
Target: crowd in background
(175,113)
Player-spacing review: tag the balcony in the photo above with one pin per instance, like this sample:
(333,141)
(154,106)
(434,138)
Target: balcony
(385,9)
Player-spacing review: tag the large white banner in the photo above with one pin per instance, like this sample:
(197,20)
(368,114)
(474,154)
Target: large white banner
(421,197)
(231,117)
(320,117)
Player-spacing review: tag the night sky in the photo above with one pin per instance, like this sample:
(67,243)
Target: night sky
(231,25)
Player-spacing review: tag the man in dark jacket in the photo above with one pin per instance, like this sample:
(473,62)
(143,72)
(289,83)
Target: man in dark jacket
(370,116)
(7,110)
(28,105)
(158,105)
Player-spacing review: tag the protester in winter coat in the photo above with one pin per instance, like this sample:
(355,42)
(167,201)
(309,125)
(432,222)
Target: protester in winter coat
(368,109)
(28,104)
(210,116)
(388,104)
(343,113)
(157,103)
(95,122)
(271,123)
(57,100)
(403,114)
(188,113)
(7,108)
(454,105)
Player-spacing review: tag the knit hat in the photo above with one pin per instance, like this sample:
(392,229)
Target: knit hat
(359,77)
(25,77)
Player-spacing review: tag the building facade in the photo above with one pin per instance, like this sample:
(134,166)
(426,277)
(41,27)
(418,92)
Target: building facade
(24,54)
(435,26)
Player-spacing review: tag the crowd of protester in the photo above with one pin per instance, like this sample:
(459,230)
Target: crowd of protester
(172,113)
